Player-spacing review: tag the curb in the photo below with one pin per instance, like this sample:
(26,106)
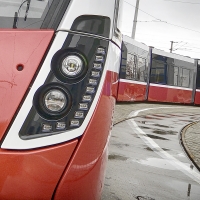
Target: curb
(184,143)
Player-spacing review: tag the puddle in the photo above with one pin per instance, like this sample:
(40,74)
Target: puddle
(117,157)
(162,132)
(147,123)
(120,145)
(156,137)
(163,126)
(195,118)
(144,127)
(144,198)
(158,163)
(159,115)
(174,115)
(151,117)
(183,120)
(150,149)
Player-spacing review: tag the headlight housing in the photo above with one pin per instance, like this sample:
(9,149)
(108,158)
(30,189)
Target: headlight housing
(55,100)
(64,100)
(52,101)
(69,66)
(72,66)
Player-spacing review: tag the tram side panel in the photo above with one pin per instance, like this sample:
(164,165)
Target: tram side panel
(171,78)
(197,91)
(133,71)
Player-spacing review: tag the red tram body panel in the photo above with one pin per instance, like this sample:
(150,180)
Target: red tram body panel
(197,97)
(82,179)
(58,88)
(33,174)
(161,93)
(131,90)
(21,49)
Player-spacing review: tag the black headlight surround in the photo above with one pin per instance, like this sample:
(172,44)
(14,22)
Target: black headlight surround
(38,101)
(82,91)
(56,65)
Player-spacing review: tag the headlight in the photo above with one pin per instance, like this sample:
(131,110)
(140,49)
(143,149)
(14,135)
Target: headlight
(72,66)
(52,101)
(55,101)
(69,66)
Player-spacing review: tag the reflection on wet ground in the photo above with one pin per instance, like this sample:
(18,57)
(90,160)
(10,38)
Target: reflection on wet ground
(150,149)
(117,157)
(164,132)
(157,162)
(156,137)
(144,198)
(149,167)
(119,145)
(163,126)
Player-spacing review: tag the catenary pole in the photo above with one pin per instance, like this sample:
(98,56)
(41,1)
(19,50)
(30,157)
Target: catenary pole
(171,49)
(135,19)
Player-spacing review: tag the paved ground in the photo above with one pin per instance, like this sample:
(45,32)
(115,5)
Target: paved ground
(146,158)
(190,134)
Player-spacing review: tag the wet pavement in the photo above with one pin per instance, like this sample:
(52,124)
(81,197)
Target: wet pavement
(147,153)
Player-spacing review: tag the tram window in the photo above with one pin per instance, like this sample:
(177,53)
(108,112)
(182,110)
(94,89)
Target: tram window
(142,69)
(130,66)
(176,76)
(16,10)
(158,74)
(136,64)
(198,77)
(40,13)
(184,77)
(136,68)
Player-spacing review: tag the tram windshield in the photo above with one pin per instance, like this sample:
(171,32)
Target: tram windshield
(23,14)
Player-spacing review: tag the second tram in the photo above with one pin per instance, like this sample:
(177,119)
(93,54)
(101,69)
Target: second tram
(150,74)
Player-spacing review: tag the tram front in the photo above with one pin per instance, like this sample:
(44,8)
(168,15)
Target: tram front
(59,63)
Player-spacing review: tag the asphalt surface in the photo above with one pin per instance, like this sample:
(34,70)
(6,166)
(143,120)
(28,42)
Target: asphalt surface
(154,153)
(190,134)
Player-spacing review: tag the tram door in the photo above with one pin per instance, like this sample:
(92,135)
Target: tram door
(134,71)
(197,93)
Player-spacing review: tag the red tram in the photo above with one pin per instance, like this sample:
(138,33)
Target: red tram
(149,74)
(59,65)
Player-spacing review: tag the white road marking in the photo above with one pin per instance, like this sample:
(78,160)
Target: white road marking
(158,150)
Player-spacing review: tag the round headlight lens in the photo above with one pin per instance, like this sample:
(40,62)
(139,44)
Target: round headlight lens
(72,66)
(55,100)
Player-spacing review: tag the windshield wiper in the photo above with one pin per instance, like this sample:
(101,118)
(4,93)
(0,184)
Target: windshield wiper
(15,20)
(27,9)
(16,16)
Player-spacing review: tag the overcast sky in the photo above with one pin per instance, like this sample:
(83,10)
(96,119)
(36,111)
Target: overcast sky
(160,21)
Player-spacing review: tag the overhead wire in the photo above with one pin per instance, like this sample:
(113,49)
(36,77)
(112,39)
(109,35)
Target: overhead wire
(160,20)
(164,21)
(181,2)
